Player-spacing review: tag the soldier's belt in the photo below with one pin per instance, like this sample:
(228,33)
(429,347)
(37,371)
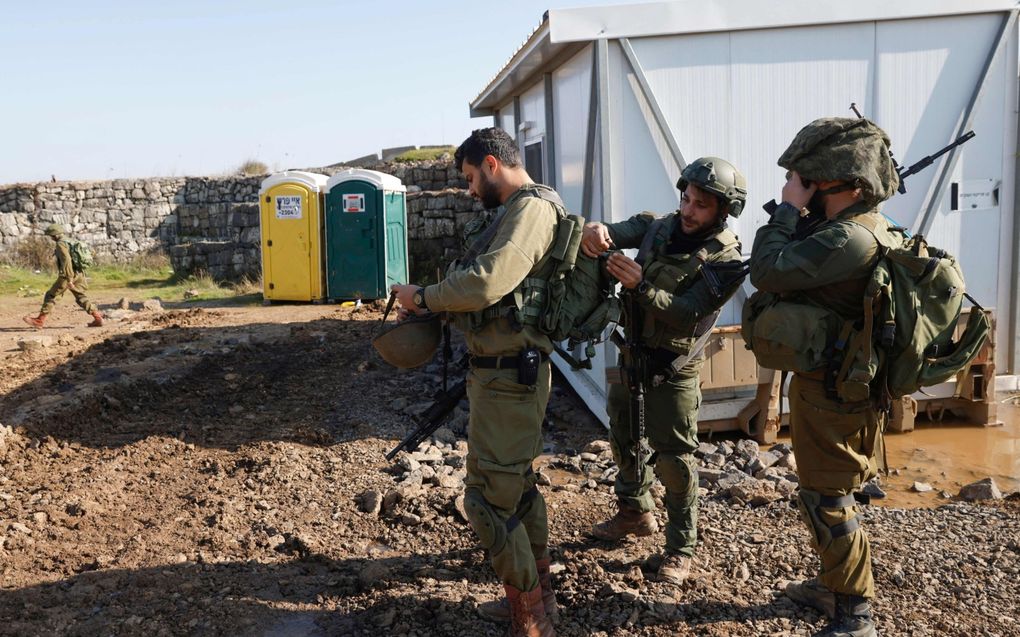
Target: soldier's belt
(508,361)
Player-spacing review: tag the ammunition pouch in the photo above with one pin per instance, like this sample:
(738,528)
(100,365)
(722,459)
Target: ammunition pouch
(787,336)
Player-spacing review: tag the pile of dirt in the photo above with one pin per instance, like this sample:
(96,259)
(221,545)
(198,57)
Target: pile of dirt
(222,472)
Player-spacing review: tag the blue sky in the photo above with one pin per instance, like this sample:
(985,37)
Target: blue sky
(98,90)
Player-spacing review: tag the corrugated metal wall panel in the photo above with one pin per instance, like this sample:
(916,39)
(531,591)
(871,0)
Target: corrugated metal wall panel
(781,80)
(643,174)
(571,94)
(533,112)
(926,73)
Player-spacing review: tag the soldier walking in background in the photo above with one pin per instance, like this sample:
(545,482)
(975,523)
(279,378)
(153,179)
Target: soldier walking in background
(510,378)
(840,170)
(677,307)
(70,276)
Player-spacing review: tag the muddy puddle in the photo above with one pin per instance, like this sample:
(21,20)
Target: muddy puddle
(947,455)
(944,455)
(950,454)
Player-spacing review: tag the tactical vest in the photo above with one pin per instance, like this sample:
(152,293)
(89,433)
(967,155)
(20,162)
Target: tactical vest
(676,273)
(524,304)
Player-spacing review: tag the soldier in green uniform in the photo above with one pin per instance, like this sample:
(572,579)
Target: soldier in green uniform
(491,298)
(674,298)
(67,279)
(840,170)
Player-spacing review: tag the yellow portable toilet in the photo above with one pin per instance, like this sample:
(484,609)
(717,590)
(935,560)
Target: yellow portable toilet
(291,226)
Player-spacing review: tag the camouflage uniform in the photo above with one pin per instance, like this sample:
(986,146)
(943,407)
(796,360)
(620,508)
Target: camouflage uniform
(67,279)
(835,442)
(503,504)
(676,299)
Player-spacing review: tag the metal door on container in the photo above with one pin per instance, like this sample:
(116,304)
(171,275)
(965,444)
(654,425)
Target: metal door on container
(288,243)
(353,227)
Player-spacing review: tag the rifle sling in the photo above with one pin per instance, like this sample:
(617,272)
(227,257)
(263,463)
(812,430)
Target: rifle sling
(483,240)
(703,329)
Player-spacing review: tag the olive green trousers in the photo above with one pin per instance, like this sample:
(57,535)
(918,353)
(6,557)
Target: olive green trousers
(501,498)
(836,447)
(671,428)
(77,286)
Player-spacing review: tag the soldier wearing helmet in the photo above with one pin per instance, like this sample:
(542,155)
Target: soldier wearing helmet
(839,170)
(674,298)
(69,277)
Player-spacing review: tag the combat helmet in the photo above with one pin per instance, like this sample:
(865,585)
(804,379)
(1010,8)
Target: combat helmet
(54,230)
(718,177)
(409,343)
(854,150)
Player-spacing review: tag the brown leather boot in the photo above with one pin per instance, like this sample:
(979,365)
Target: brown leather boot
(552,609)
(674,569)
(36,321)
(527,614)
(812,592)
(627,521)
(499,610)
(97,319)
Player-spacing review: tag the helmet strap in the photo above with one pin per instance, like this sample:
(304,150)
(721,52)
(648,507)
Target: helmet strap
(835,189)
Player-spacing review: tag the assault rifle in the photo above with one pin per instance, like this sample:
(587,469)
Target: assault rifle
(432,419)
(634,374)
(807,223)
(444,402)
(722,276)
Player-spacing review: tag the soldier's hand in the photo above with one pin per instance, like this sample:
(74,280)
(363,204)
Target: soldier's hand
(794,192)
(595,239)
(405,296)
(626,270)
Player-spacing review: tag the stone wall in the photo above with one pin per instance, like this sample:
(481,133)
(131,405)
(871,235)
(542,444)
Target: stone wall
(435,229)
(212,224)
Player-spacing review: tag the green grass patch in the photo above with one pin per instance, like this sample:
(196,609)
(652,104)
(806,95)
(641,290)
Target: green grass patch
(425,154)
(142,281)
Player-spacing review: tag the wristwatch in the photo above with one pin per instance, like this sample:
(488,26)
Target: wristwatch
(419,298)
(642,288)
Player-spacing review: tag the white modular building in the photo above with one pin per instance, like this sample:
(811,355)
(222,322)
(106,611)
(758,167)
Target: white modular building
(609,103)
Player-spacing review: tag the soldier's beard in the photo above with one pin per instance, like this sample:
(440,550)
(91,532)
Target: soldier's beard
(488,193)
(817,203)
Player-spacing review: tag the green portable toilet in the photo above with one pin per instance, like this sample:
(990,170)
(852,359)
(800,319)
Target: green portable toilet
(365,234)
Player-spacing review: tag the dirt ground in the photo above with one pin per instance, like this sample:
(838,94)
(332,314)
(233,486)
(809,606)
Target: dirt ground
(198,472)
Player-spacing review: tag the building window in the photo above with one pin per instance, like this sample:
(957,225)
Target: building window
(534,161)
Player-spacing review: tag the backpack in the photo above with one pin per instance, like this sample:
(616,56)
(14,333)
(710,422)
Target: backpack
(580,297)
(918,292)
(912,304)
(81,256)
(572,301)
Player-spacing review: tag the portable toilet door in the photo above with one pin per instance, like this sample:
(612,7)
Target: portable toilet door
(291,227)
(366,234)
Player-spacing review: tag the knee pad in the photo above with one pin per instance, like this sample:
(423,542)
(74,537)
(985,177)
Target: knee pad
(678,474)
(814,505)
(490,529)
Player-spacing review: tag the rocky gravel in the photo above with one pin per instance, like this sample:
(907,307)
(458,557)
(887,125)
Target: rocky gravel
(195,477)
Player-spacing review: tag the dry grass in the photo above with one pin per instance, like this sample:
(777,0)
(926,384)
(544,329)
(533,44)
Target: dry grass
(32,253)
(247,285)
(252,167)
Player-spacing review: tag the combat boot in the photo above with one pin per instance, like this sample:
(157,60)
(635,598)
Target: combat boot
(812,593)
(674,569)
(853,618)
(527,614)
(499,610)
(627,521)
(97,319)
(36,321)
